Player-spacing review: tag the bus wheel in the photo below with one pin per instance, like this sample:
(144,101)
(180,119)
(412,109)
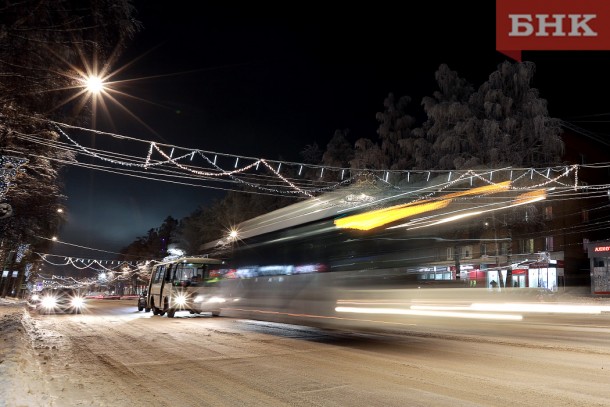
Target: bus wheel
(154,309)
(171,312)
(146,309)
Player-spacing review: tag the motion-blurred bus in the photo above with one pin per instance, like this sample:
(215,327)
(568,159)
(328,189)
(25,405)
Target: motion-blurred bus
(367,256)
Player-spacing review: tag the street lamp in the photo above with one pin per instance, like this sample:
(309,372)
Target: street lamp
(94,84)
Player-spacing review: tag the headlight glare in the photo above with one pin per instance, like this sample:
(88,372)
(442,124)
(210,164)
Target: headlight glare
(48,302)
(77,302)
(180,299)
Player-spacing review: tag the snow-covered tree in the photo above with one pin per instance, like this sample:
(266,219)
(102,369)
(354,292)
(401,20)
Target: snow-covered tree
(394,128)
(339,151)
(42,46)
(513,124)
(446,139)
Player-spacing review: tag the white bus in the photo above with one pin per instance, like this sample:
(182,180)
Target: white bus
(185,284)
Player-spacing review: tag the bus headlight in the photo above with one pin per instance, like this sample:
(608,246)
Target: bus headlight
(199,298)
(180,299)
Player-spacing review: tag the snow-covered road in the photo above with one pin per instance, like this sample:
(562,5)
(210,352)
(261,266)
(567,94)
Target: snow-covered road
(114,355)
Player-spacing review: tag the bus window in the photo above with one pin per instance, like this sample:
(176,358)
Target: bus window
(184,274)
(158,274)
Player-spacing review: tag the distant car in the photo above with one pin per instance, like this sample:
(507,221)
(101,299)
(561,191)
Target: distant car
(57,300)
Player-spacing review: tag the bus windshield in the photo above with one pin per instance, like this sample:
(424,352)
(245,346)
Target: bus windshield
(190,273)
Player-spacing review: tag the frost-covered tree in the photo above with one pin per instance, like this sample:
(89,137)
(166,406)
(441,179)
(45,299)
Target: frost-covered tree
(394,129)
(339,151)
(311,154)
(513,123)
(504,122)
(368,155)
(446,139)
(393,132)
(338,154)
(42,46)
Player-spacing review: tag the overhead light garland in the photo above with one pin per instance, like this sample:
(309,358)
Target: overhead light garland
(94,264)
(303,186)
(384,175)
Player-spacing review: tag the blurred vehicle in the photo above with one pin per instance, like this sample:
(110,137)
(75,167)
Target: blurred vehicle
(533,294)
(57,300)
(142,299)
(364,256)
(103,296)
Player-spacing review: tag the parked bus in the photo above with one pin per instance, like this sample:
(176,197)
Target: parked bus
(185,284)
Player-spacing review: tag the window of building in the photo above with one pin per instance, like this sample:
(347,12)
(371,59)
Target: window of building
(548,244)
(504,248)
(526,245)
(548,212)
(450,253)
(466,252)
(584,215)
(585,244)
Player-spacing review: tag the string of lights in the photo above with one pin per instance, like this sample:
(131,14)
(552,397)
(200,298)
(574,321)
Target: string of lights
(218,171)
(84,263)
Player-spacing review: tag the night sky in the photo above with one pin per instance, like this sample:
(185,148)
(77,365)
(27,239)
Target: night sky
(266,82)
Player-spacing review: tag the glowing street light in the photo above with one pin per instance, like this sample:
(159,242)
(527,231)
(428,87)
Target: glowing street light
(94,84)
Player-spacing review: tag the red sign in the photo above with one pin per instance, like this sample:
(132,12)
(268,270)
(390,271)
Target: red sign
(602,249)
(551,25)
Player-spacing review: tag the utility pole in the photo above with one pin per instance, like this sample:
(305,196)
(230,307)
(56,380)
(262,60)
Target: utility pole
(456,255)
